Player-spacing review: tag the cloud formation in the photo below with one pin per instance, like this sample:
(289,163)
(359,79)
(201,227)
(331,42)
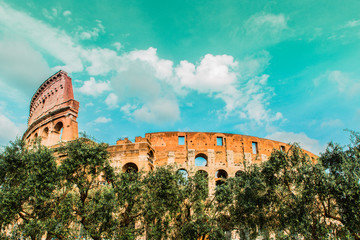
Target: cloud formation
(152,85)
(94,88)
(302,139)
(8,130)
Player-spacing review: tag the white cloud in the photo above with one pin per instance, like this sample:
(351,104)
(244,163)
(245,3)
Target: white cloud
(244,93)
(117,45)
(128,108)
(102,60)
(90,104)
(163,68)
(353,23)
(94,88)
(94,32)
(9,130)
(21,66)
(265,29)
(266,23)
(66,13)
(102,120)
(51,40)
(305,142)
(158,112)
(112,100)
(50,14)
(213,74)
(332,123)
(341,81)
(142,77)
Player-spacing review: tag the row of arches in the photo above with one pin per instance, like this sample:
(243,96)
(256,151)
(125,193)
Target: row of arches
(44,133)
(220,174)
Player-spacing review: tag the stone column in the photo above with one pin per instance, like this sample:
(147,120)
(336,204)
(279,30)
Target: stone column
(171,157)
(211,157)
(230,158)
(191,157)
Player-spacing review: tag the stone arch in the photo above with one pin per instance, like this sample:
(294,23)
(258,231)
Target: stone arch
(183,173)
(200,140)
(58,130)
(130,167)
(201,160)
(219,182)
(202,173)
(151,155)
(239,173)
(221,173)
(45,133)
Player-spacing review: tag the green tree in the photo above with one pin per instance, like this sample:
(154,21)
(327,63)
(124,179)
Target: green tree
(84,164)
(28,182)
(341,186)
(129,190)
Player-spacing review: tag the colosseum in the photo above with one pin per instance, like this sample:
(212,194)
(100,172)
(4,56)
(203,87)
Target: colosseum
(53,114)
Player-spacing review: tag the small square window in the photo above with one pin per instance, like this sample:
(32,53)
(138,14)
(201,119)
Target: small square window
(219,141)
(282,148)
(254,148)
(181,140)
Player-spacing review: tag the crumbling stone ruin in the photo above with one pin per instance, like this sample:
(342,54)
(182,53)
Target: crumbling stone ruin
(53,114)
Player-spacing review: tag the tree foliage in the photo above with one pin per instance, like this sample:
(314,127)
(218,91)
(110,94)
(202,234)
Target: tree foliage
(290,196)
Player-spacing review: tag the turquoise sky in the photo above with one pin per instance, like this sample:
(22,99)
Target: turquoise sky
(284,70)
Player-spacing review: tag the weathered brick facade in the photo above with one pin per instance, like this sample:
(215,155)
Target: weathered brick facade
(53,113)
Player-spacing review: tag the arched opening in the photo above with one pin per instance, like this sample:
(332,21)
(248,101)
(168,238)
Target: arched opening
(239,173)
(221,174)
(219,182)
(183,173)
(151,156)
(35,135)
(202,173)
(130,167)
(201,160)
(59,129)
(202,182)
(45,133)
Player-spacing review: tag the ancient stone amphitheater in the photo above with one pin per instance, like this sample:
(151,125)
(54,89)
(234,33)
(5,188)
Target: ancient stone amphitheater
(53,114)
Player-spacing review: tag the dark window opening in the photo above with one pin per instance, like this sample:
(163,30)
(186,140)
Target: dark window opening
(202,174)
(239,173)
(221,174)
(282,148)
(130,167)
(219,183)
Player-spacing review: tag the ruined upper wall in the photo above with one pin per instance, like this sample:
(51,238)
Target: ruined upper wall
(226,149)
(53,111)
(50,96)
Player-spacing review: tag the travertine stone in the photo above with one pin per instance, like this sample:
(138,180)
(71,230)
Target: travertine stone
(53,114)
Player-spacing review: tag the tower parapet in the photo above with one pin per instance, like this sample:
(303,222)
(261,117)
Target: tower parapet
(53,111)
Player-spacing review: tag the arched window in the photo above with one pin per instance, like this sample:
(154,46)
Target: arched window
(59,129)
(202,173)
(151,155)
(239,173)
(183,173)
(221,174)
(201,160)
(219,183)
(130,167)
(45,133)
